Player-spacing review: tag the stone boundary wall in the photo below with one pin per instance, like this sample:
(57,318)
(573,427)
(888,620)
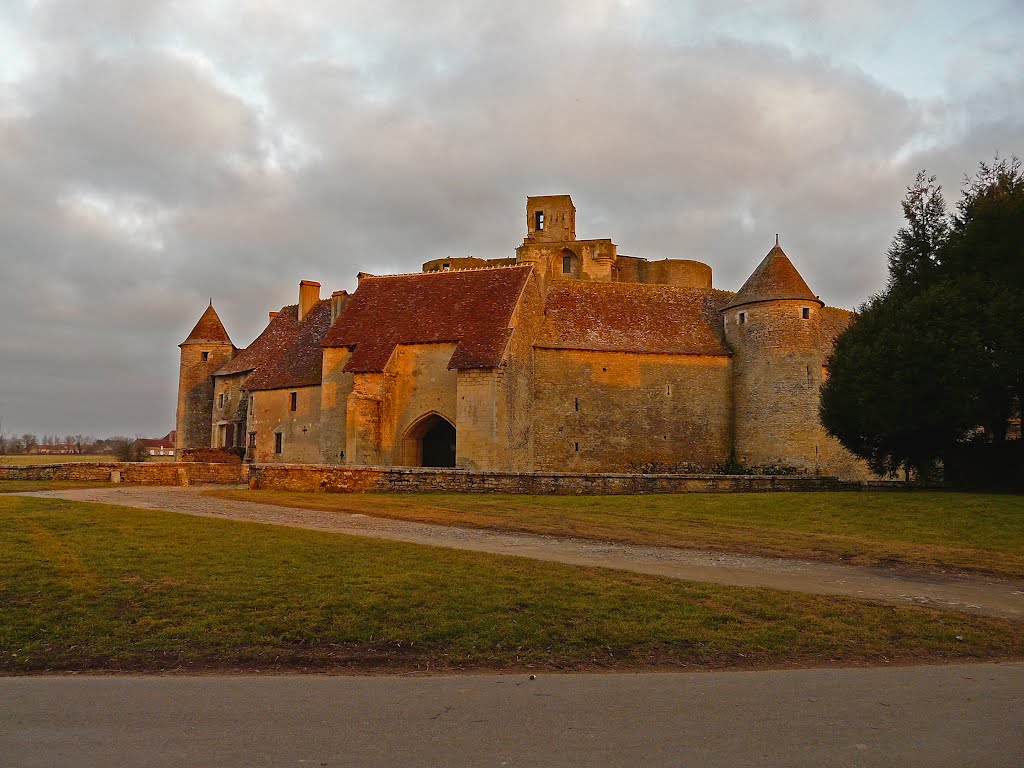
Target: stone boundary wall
(142,473)
(354,479)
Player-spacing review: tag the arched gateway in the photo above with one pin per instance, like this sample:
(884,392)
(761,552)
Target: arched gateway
(430,442)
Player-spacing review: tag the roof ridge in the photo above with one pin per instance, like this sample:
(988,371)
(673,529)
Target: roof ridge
(447,271)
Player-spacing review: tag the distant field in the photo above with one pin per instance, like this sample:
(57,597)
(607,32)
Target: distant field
(90,586)
(967,531)
(22,460)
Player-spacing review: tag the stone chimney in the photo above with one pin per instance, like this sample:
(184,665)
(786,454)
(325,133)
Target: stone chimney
(309,296)
(338,301)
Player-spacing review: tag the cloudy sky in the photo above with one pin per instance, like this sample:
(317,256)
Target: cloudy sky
(156,154)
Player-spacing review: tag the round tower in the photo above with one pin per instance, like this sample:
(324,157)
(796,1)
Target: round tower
(205,350)
(772,326)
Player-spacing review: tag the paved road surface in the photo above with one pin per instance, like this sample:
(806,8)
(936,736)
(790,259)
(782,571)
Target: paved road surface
(989,596)
(962,715)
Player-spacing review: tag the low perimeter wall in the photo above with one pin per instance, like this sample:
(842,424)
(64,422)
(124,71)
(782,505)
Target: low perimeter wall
(350,479)
(142,473)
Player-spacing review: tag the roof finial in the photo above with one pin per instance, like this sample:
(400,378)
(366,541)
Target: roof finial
(211,298)
(776,241)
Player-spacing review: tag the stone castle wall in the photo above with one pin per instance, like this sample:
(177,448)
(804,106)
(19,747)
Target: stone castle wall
(144,473)
(335,479)
(611,411)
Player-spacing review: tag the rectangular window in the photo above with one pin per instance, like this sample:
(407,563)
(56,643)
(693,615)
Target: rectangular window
(806,313)
(278,442)
(220,400)
(252,439)
(567,265)
(294,401)
(538,221)
(206,355)
(743,317)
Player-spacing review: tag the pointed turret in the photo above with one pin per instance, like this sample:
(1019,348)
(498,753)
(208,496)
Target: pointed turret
(774,279)
(772,327)
(209,330)
(206,349)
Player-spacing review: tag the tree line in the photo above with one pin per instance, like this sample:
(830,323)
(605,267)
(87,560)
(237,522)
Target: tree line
(932,369)
(121,447)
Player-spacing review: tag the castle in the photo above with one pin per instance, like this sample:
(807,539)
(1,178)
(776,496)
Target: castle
(569,357)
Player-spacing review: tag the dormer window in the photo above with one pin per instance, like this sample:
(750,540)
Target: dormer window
(446,266)
(538,221)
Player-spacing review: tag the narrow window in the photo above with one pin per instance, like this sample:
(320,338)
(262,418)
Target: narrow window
(668,389)
(294,401)
(252,403)
(341,455)
(538,221)
(576,404)
(220,400)
(577,446)
(252,439)
(808,374)
(743,317)
(206,355)
(278,442)
(806,313)
(567,264)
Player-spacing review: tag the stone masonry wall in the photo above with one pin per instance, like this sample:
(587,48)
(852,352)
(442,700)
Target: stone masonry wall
(335,479)
(145,473)
(599,411)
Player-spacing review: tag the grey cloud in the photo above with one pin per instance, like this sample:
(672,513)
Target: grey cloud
(164,153)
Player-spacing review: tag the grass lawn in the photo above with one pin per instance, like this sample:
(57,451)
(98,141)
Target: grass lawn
(87,586)
(973,532)
(27,459)
(20,486)
(24,460)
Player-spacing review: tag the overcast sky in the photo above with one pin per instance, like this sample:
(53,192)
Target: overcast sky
(156,154)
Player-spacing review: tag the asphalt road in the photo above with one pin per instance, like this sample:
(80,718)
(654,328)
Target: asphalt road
(962,715)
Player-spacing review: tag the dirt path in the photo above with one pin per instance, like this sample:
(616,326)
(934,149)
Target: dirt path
(975,594)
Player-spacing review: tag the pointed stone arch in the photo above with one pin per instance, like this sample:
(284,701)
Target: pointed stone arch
(429,442)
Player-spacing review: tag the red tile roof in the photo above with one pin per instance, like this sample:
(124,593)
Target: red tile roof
(209,330)
(268,346)
(628,317)
(298,362)
(471,308)
(774,278)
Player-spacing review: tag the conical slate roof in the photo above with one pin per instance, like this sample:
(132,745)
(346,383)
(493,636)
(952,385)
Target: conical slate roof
(775,278)
(209,330)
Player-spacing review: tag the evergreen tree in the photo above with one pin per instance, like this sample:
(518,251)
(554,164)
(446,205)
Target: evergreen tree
(937,360)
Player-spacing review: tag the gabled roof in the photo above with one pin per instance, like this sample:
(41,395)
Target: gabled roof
(209,330)
(775,278)
(471,308)
(628,317)
(268,346)
(299,361)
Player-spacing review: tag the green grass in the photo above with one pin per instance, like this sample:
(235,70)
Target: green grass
(87,586)
(971,532)
(21,486)
(25,460)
